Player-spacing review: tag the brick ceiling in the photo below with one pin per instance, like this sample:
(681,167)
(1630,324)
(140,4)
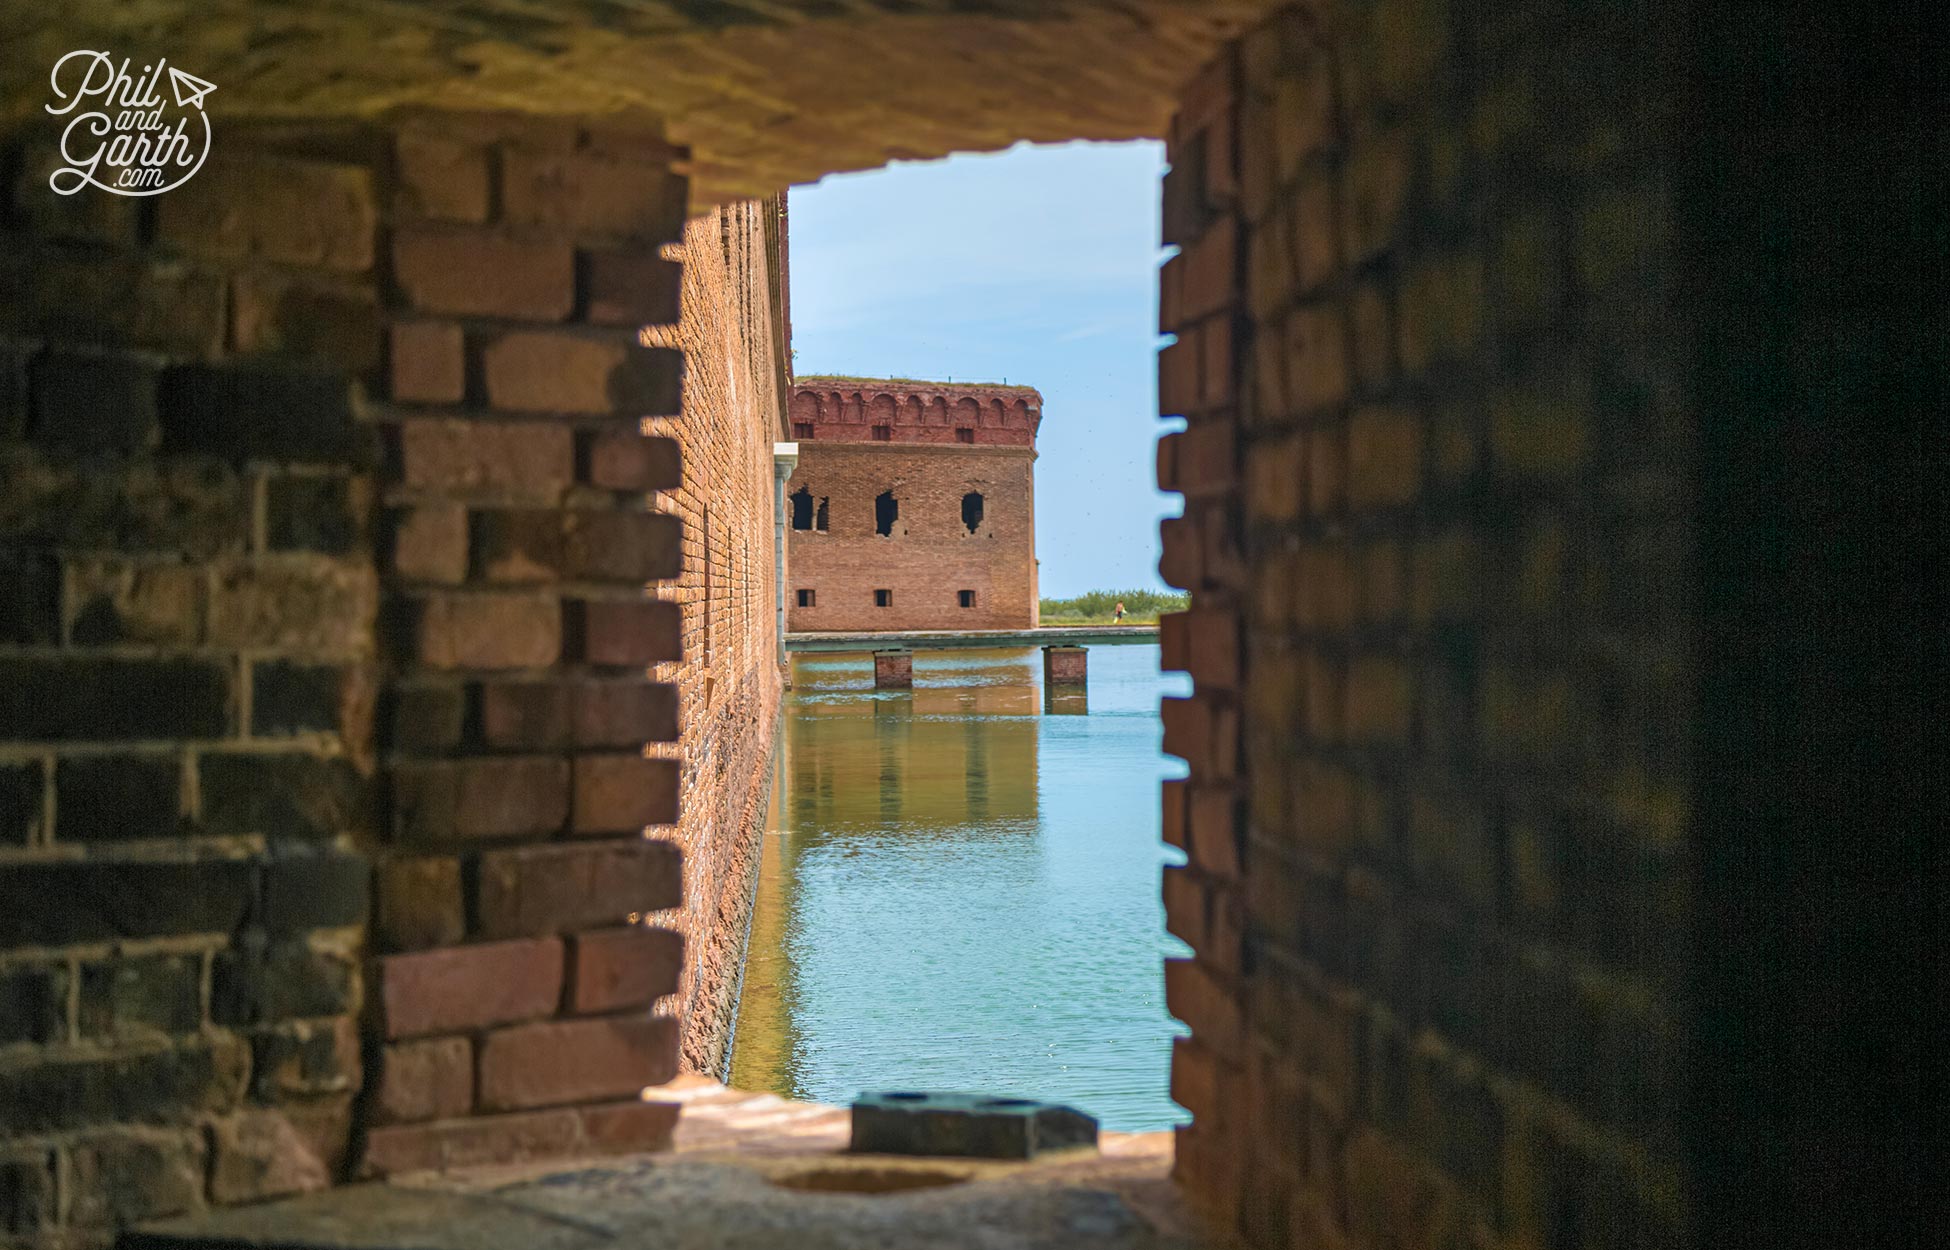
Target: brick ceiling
(767,93)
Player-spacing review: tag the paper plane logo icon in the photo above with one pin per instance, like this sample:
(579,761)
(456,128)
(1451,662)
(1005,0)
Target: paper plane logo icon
(189,89)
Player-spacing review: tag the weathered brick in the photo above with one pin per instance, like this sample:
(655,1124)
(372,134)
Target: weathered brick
(101,403)
(566,372)
(134,1175)
(518,546)
(77,1089)
(1317,362)
(497,797)
(133,997)
(425,718)
(490,630)
(259,1154)
(27,1192)
(55,699)
(1207,1005)
(623,712)
(427,1080)
(503,1139)
(293,698)
(626,460)
(258,206)
(1384,457)
(310,513)
(313,888)
(329,322)
(419,903)
(429,363)
(593,195)
(631,632)
(536,891)
(516,456)
(65,902)
(259,981)
(183,507)
(572,1061)
(630,1127)
(22,810)
(634,288)
(305,1058)
(107,798)
(615,969)
(621,545)
(463,989)
(480,273)
(529,714)
(33,1003)
(623,793)
(30,598)
(430,544)
(117,600)
(256,410)
(284,795)
(441,177)
(114,301)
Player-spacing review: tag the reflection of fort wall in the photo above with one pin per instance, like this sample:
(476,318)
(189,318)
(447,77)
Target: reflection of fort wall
(941,756)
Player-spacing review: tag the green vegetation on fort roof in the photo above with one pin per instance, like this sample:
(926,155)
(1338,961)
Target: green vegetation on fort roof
(1141,607)
(842,379)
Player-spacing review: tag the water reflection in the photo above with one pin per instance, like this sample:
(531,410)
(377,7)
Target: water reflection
(960,887)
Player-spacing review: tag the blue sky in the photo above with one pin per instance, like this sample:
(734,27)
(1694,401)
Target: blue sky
(1037,265)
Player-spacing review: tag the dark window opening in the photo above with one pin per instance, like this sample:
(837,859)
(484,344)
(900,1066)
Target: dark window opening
(802,509)
(883,433)
(964,434)
(967,598)
(819,517)
(883,598)
(886,511)
(802,429)
(806,599)
(971,510)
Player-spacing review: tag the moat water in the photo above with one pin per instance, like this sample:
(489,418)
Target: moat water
(960,887)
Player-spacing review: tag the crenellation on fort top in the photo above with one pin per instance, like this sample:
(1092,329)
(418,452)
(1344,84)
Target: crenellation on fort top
(914,411)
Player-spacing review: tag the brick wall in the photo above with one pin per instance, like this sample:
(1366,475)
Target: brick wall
(326,816)
(936,446)
(728,682)
(1440,544)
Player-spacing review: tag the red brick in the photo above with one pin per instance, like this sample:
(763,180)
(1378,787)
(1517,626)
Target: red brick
(1195,1081)
(1174,800)
(1203,733)
(541,890)
(624,712)
(526,714)
(399,1149)
(622,546)
(259,207)
(449,455)
(1213,649)
(1210,280)
(623,793)
(634,288)
(493,630)
(441,178)
(582,373)
(593,195)
(1206,1004)
(496,797)
(1211,814)
(430,544)
(419,903)
(465,988)
(1174,641)
(628,1127)
(632,632)
(430,1080)
(571,1061)
(613,969)
(258,1154)
(479,273)
(626,460)
(429,363)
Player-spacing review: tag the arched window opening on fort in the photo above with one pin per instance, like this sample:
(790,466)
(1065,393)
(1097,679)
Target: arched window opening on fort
(966,598)
(964,434)
(886,511)
(802,509)
(883,433)
(819,515)
(803,429)
(806,599)
(971,512)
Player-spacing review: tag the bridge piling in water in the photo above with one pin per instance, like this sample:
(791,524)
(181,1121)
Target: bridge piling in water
(1065,665)
(893,670)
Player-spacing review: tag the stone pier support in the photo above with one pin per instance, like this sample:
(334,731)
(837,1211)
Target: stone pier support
(893,670)
(1065,666)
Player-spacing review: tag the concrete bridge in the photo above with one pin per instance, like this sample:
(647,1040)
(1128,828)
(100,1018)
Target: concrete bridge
(1064,656)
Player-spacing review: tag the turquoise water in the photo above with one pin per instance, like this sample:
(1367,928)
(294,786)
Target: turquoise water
(960,890)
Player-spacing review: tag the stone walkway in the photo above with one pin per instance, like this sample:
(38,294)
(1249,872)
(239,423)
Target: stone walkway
(746,1171)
